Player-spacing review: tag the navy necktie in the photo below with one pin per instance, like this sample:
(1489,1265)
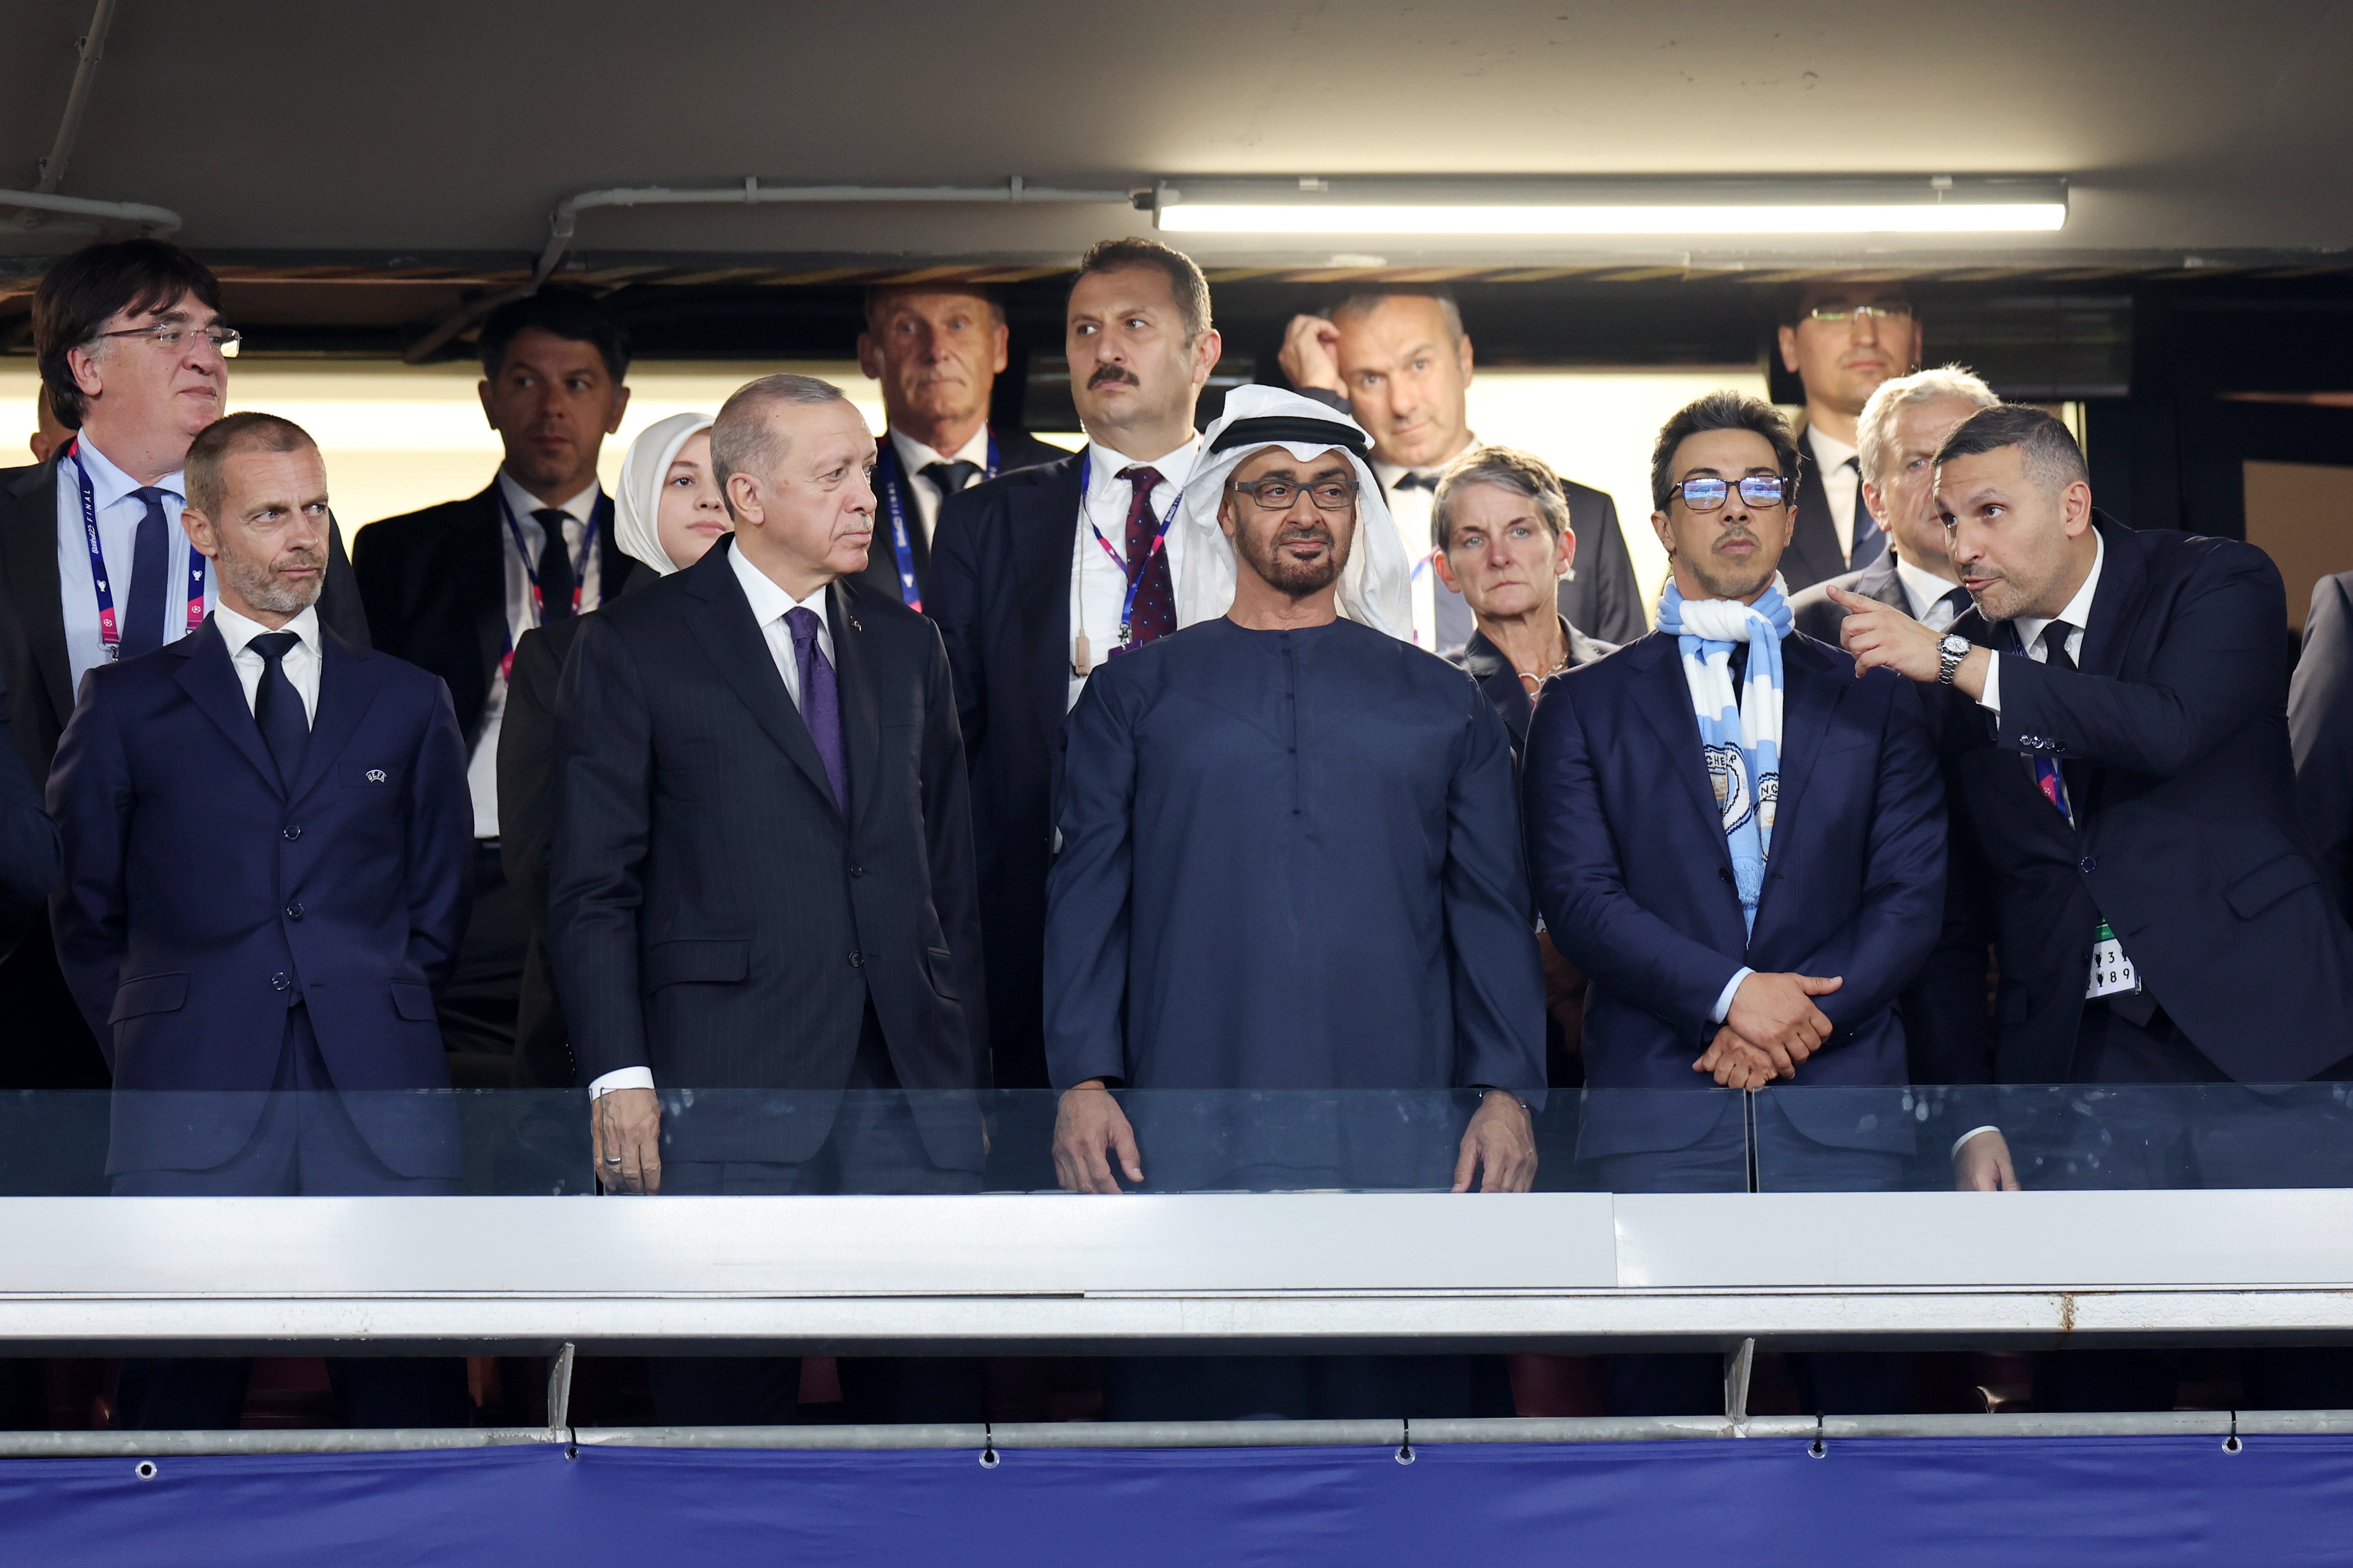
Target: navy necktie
(143,622)
(950,478)
(557,578)
(820,698)
(1413,479)
(1870,538)
(278,707)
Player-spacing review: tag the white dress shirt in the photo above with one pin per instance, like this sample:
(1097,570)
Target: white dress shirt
(300,662)
(482,767)
(2077,614)
(770,605)
(1099,584)
(1841,486)
(1410,509)
(913,458)
(1924,594)
(120,513)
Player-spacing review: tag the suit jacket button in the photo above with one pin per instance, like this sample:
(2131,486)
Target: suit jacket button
(858,870)
(294,911)
(293,831)
(2088,864)
(856,960)
(280,982)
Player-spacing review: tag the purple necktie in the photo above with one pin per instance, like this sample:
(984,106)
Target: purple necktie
(1154,615)
(820,701)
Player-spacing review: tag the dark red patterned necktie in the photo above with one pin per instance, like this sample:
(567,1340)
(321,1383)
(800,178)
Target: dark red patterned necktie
(1154,615)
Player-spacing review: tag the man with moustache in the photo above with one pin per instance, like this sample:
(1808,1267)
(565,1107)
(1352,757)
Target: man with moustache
(1947,1030)
(762,880)
(1743,847)
(1841,339)
(938,349)
(1041,576)
(267,845)
(133,357)
(454,588)
(1289,861)
(1398,358)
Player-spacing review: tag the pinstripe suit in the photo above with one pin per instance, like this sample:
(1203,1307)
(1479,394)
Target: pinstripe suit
(716,917)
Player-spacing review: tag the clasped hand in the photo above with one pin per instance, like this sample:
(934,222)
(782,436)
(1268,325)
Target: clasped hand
(1771,1026)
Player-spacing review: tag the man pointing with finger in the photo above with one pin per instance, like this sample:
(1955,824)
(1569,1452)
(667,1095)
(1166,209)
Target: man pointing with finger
(1743,847)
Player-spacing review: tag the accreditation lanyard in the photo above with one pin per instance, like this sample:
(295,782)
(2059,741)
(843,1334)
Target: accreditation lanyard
(530,571)
(903,544)
(109,626)
(1131,570)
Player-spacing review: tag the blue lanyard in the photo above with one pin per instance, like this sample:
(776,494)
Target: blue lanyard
(538,599)
(1131,570)
(109,627)
(901,543)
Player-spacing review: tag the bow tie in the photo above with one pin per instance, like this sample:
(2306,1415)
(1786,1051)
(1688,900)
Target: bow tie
(1414,479)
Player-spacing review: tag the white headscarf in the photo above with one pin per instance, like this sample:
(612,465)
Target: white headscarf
(637,511)
(1375,585)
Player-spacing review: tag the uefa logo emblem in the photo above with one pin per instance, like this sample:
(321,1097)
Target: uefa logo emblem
(375,775)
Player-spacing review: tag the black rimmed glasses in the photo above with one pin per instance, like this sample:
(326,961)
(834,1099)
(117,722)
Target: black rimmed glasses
(1877,310)
(171,334)
(1706,493)
(1282,495)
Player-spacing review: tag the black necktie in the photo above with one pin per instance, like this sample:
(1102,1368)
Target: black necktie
(1958,600)
(278,707)
(142,626)
(2054,645)
(949,479)
(555,575)
(1870,538)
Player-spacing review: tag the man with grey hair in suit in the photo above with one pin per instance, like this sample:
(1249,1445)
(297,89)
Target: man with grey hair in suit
(762,879)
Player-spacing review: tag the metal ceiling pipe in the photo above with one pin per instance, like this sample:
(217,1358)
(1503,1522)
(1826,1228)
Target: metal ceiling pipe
(158,223)
(90,46)
(565,223)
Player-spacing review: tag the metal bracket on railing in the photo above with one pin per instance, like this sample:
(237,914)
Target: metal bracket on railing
(559,1387)
(1737,1365)
(1404,1442)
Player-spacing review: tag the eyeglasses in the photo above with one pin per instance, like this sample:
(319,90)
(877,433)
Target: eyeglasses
(1840,315)
(1706,494)
(1281,495)
(170,336)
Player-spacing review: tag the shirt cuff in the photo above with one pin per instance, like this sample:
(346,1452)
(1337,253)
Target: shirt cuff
(1991,696)
(1723,997)
(621,1078)
(1967,1136)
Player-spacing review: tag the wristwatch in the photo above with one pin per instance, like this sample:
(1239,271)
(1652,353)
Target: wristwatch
(1950,651)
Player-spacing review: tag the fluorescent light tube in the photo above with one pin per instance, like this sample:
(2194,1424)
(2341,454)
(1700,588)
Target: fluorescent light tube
(1322,217)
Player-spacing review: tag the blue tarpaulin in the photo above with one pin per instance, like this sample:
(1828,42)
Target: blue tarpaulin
(2017,1502)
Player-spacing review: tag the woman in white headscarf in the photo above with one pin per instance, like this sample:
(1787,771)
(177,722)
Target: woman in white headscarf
(1375,585)
(667,513)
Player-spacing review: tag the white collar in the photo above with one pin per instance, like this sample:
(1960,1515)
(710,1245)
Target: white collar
(579,509)
(1389,473)
(1832,451)
(770,602)
(108,484)
(238,630)
(914,457)
(1922,586)
(1174,466)
(2078,613)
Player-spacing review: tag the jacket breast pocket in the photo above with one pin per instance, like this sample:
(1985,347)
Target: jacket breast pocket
(148,993)
(2270,882)
(695,960)
(939,963)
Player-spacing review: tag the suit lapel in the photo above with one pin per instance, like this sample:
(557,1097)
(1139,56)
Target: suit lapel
(28,560)
(614,567)
(1812,539)
(479,555)
(2123,579)
(1045,532)
(861,731)
(1501,683)
(1809,694)
(919,544)
(210,680)
(346,696)
(734,640)
(1665,703)
(1880,581)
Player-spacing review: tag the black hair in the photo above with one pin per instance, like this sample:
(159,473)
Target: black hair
(80,293)
(2052,456)
(566,314)
(1719,410)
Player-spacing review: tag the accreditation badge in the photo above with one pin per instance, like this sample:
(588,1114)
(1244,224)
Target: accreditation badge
(2112,972)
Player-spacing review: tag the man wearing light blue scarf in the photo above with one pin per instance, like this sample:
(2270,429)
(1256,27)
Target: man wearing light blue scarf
(1742,844)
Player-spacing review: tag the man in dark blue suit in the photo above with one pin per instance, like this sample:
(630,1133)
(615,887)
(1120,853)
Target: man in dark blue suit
(266,860)
(2116,735)
(1748,888)
(28,843)
(2320,725)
